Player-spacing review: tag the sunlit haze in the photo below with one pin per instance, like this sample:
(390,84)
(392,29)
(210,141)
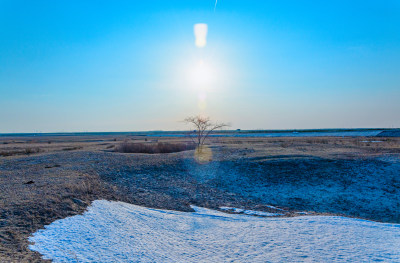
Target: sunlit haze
(70,66)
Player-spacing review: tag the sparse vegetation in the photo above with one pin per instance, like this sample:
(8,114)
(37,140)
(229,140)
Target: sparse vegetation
(32,150)
(72,148)
(37,189)
(63,196)
(152,148)
(26,151)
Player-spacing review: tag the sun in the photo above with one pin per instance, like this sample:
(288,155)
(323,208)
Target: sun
(202,75)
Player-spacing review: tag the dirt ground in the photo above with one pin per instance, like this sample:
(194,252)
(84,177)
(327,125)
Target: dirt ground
(43,179)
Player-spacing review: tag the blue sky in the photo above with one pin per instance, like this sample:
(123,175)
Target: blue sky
(128,65)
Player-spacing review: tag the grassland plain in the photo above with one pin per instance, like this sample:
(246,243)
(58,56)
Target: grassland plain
(48,178)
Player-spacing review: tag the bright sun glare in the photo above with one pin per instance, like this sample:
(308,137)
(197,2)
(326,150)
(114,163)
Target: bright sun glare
(202,75)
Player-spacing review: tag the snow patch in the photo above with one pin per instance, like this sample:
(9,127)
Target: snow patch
(121,232)
(302,213)
(248,212)
(276,208)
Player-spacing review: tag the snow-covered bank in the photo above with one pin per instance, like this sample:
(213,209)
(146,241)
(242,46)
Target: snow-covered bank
(121,232)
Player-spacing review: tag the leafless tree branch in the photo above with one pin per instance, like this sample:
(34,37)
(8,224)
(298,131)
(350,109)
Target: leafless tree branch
(203,127)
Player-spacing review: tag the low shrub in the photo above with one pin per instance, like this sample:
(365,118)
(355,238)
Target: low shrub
(32,150)
(161,147)
(72,148)
(26,151)
(6,153)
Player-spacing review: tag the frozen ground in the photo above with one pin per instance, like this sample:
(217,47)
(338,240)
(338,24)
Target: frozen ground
(121,232)
(322,176)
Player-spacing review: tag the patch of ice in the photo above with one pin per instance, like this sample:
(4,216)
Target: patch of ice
(276,208)
(302,213)
(248,212)
(371,141)
(121,232)
(260,213)
(232,209)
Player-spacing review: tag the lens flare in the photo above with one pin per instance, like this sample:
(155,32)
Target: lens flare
(200,32)
(203,154)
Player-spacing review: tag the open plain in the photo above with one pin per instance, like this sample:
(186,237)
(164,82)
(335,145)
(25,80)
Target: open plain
(46,178)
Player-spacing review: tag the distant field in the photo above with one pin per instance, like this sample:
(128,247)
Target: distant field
(223,133)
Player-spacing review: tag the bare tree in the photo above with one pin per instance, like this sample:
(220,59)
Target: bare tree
(203,127)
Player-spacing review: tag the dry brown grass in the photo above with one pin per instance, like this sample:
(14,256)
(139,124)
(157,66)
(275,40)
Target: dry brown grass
(72,148)
(27,151)
(152,148)
(25,208)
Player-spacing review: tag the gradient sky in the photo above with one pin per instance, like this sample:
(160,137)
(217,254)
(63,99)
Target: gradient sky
(127,65)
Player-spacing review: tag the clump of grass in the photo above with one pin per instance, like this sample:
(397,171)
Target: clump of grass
(316,141)
(72,148)
(5,153)
(286,144)
(151,148)
(32,150)
(26,151)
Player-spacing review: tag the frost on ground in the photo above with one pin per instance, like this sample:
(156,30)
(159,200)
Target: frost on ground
(121,232)
(249,212)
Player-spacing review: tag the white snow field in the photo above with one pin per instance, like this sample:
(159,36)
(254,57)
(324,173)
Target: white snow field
(121,232)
